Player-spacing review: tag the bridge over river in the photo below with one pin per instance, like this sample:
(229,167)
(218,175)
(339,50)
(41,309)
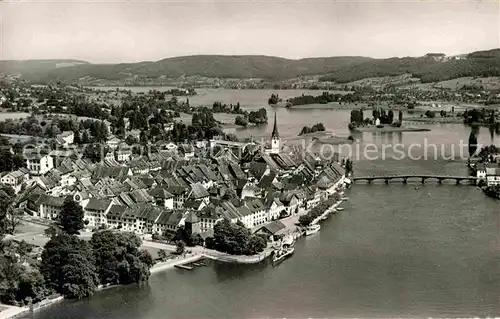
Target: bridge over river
(422,178)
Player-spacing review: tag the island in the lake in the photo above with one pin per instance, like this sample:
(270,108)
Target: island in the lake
(381,121)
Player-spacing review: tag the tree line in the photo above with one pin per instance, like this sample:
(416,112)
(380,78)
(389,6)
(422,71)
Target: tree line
(319,127)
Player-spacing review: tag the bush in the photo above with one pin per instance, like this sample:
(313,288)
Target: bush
(429,114)
(241,121)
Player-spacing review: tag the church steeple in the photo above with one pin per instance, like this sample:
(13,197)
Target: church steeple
(275,128)
(275,138)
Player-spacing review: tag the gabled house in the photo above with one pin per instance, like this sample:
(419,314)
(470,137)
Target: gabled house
(44,206)
(194,205)
(95,211)
(162,197)
(198,192)
(180,195)
(16,179)
(492,175)
(146,216)
(187,151)
(66,138)
(114,216)
(209,216)
(258,210)
(37,161)
(123,154)
(274,207)
(290,201)
(273,231)
(168,221)
(113,142)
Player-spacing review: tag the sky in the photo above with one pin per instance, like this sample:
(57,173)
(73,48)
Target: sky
(130,31)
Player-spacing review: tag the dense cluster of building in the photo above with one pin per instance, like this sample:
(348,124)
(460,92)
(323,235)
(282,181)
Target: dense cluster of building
(179,185)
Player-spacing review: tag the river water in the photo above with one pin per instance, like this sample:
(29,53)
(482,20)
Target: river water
(395,251)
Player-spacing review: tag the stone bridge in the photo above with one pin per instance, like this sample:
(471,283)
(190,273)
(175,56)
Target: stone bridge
(416,177)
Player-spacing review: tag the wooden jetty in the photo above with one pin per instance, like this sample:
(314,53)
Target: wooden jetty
(199,264)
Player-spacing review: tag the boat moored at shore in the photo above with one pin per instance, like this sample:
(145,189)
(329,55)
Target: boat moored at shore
(312,229)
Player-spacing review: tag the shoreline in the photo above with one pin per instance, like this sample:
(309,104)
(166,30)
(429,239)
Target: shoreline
(438,120)
(390,129)
(329,106)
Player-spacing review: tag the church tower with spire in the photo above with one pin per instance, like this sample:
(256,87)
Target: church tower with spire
(275,138)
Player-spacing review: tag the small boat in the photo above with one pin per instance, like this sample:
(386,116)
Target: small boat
(281,254)
(325,217)
(312,229)
(345,198)
(339,209)
(285,250)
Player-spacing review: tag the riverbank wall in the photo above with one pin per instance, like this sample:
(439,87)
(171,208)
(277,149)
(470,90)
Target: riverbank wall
(241,259)
(13,312)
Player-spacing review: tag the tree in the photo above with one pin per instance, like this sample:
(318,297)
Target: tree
(429,114)
(348,166)
(390,117)
(118,258)
(68,266)
(9,218)
(305,220)
(85,137)
(20,285)
(179,247)
(234,239)
(258,117)
(472,143)
(241,121)
(77,140)
(51,231)
(79,275)
(162,254)
(105,245)
(71,217)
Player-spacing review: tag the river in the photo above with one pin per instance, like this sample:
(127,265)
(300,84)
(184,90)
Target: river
(395,251)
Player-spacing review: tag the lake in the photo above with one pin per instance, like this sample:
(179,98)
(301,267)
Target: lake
(395,251)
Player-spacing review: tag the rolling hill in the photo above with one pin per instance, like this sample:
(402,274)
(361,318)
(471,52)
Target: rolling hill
(337,69)
(36,66)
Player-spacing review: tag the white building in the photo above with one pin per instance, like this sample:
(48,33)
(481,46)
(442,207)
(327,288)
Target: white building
(113,142)
(96,210)
(66,138)
(123,155)
(37,162)
(274,208)
(44,206)
(16,179)
(481,171)
(492,176)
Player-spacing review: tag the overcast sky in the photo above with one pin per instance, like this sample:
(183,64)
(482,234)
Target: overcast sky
(129,31)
